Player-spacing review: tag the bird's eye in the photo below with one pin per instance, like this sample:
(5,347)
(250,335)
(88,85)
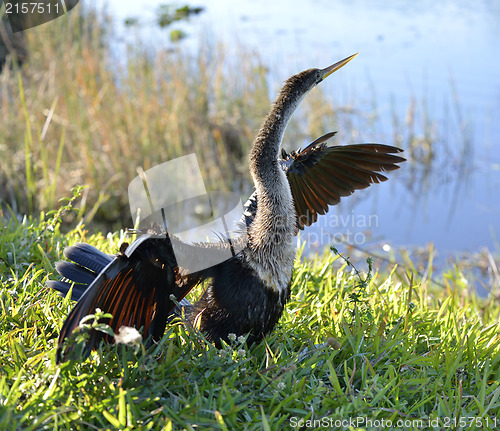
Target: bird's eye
(318,76)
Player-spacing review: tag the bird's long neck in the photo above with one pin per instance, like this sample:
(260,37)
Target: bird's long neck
(275,221)
(264,165)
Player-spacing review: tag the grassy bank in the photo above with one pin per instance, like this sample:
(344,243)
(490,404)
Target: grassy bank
(389,350)
(376,345)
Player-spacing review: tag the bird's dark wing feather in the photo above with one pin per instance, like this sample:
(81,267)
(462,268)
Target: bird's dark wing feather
(320,175)
(135,288)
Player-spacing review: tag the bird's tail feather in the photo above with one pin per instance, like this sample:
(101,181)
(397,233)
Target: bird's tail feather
(87,263)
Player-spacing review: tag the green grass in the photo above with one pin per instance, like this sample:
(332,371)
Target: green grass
(388,351)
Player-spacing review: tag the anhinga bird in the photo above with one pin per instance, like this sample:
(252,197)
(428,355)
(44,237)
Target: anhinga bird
(246,293)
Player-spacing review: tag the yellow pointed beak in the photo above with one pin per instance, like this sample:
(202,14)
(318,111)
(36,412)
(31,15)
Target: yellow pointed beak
(327,71)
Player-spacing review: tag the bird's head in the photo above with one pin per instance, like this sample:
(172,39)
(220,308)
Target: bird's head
(305,81)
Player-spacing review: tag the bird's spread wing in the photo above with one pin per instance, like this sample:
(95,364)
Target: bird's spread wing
(320,175)
(135,286)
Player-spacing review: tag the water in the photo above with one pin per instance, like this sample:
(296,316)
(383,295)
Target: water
(443,56)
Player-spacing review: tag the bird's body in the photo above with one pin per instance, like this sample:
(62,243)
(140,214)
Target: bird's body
(246,293)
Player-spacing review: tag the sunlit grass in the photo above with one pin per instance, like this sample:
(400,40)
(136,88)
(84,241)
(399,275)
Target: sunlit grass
(381,347)
(351,343)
